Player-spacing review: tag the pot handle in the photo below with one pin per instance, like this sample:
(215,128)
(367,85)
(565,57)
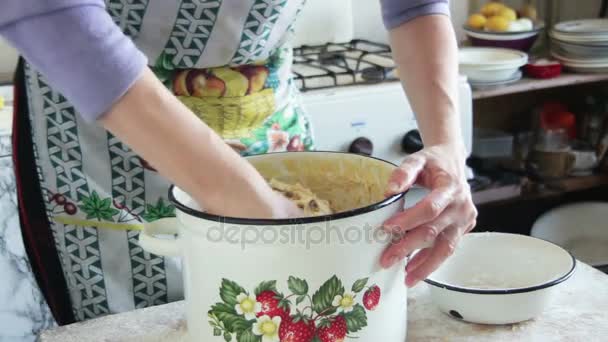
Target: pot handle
(166,247)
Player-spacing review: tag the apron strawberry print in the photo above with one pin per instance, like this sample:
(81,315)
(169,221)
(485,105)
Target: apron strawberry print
(331,314)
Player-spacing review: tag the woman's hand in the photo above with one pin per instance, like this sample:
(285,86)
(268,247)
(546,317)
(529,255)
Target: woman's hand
(437,222)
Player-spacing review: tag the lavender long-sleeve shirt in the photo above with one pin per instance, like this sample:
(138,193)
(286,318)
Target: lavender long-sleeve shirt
(83,54)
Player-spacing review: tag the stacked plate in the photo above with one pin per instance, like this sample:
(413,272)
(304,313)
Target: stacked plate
(581,45)
(491,67)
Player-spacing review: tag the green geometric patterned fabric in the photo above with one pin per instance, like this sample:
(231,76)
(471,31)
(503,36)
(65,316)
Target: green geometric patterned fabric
(192,29)
(128,190)
(258,26)
(128,15)
(83,262)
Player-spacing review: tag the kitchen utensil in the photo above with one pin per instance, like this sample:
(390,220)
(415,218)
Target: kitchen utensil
(580,228)
(522,41)
(490,64)
(552,164)
(498,278)
(326,265)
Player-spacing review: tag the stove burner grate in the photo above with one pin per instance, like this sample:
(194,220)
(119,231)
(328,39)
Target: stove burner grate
(342,64)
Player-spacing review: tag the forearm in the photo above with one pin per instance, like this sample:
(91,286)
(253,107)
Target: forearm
(182,148)
(425,52)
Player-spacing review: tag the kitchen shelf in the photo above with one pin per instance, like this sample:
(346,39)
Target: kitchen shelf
(531,84)
(557,188)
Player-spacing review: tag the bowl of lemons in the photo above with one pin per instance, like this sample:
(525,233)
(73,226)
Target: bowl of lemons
(498,25)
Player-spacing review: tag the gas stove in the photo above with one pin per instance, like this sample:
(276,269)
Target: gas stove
(333,65)
(355,101)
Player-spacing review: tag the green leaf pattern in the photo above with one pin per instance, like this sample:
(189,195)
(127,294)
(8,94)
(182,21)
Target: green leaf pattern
(323,298)
(97,208)
(158,211)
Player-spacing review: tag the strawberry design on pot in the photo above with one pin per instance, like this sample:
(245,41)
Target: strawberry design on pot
(247,306)
(330,314)
(271,305)
(297,329)
(267,328)
(333,331)
(344,303)
(371,298)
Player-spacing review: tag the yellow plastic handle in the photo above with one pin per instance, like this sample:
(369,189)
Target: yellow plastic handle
(149,242)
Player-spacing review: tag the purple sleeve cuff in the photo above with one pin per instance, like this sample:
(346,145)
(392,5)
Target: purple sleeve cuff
(397,12)
(82,53)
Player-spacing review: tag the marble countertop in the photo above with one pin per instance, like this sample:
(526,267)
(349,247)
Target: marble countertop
(579,312)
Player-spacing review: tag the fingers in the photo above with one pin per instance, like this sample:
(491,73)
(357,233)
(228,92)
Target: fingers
(444,247)
(425,211)
(418,259)
(405,175)
(419,238)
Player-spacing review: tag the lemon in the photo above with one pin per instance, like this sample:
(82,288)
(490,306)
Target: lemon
(507,13)
(491,8)
(477,21)
(497,24)
(1,102)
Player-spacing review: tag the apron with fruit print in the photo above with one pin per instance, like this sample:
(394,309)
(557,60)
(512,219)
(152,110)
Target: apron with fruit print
(229,62)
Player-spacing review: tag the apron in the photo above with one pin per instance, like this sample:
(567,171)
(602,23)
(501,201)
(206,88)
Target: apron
(228,60)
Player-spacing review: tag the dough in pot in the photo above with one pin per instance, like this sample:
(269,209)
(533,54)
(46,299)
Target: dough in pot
(302,197)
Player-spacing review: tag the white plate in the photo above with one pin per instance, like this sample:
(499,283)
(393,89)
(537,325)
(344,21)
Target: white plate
(580,61)
(573,50)
(580,228)
(586,39)
(484,84)
(583,26)
(502,36)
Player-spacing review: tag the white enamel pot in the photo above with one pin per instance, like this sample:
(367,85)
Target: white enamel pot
(247,279)
(498,278)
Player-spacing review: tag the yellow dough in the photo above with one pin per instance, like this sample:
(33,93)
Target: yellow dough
(303,197)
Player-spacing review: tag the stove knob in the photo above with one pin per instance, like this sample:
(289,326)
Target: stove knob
(362,146)
(412,142)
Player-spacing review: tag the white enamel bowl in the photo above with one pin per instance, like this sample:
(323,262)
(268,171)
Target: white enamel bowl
(497,278)
(490,64)
(580,228)
(237,269)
